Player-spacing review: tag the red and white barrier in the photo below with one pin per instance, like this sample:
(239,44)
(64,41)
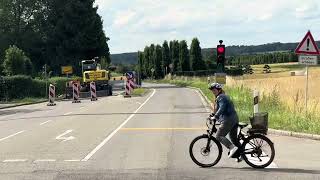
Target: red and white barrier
(127,89)
(131,85)
(76,93)
(52,95)
(93,91)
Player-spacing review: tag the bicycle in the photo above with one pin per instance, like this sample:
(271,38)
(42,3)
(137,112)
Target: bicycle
(251,149)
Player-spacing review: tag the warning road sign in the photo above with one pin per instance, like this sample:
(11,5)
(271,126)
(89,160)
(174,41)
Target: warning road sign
(307,46)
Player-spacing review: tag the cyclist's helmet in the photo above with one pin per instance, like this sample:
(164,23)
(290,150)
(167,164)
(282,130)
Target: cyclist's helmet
(215,86)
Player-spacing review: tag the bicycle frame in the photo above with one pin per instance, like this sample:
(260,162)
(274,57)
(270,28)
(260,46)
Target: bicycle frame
(241,136)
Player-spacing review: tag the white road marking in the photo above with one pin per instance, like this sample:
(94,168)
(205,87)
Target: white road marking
(82,107)
(203,101)
(11,135)
(45,160)
(45,122)
(65,138)
(73,160)
(67,113)
(138,103)
(116,130)
(15,160)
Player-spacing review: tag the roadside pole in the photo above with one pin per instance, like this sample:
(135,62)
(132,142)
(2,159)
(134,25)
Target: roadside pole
(307,85)
(308,54)
(45,76)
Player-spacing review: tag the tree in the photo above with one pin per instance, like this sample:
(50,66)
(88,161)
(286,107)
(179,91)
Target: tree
(166,60)
(157,57)
(104,63)
(75,32)
(21,23)
(151,58)
(174,53)
(14,62)
(184,62)
(140,63)
(146,57)
(196,62)
(28,67)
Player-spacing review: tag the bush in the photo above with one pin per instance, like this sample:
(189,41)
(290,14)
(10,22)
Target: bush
(21,86)
(15,62)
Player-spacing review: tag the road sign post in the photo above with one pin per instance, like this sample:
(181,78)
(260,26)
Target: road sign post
(308,54)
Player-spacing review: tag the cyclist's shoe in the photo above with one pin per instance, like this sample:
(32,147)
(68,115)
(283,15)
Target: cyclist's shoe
(233,151)
(239,159)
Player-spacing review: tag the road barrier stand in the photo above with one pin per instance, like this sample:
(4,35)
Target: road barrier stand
(93,91)
(255,101)
(132,85)
(52,95)
(76,93)
(127,89)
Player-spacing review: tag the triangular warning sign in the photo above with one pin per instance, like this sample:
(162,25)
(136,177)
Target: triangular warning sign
(307,45)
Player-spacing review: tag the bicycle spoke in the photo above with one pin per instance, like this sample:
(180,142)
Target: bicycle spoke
(252,144)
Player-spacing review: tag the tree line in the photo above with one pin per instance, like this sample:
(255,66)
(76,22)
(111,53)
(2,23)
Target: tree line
(174,57)
(265,58)
(52,32)
(156,60)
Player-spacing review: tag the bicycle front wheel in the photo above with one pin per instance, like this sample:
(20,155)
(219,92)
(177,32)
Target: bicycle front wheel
(258,151)
(205,151)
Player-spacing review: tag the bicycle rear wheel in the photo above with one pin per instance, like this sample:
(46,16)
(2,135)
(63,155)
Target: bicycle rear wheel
(203,155)
(258,151)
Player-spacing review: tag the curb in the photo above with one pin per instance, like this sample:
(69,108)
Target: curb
(23,104)
(273,131)
(26,104)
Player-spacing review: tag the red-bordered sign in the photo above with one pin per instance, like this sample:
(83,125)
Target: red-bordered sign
(307,45)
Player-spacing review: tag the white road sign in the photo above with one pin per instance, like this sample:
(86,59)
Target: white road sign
(308,60)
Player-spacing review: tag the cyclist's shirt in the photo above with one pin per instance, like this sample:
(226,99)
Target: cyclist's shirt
(225,108)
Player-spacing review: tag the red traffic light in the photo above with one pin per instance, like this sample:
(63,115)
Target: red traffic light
(221,49)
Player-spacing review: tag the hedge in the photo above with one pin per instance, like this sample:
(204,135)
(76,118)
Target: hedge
(20,86)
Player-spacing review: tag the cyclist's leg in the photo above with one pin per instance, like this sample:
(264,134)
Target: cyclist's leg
(234,135)
(234,132)
(223,130)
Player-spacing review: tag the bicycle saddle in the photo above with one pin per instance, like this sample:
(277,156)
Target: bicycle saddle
(242,125)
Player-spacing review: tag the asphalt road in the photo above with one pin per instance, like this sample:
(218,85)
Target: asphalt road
(130,138)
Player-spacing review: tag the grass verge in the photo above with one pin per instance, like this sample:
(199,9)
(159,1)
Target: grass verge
(139,92)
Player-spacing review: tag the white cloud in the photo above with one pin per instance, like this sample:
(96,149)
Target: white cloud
(123,18)
(258,21)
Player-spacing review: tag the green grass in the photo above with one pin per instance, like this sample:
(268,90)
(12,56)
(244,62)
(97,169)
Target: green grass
(139,91)
(280,116)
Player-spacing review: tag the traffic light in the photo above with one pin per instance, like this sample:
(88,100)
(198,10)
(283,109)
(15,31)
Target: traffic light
(221,50)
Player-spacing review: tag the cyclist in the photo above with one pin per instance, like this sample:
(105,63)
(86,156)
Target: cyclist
(226,114)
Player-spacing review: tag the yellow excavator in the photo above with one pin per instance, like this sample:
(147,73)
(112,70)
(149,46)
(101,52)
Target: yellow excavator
(92,72)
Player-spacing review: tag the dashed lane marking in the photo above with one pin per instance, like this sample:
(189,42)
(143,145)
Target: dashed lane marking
(11,135)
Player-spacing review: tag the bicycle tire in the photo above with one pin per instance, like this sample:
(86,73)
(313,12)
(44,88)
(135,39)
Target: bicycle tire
(215,141)
(268,141)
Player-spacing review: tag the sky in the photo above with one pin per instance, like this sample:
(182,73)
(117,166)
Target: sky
(133,24)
